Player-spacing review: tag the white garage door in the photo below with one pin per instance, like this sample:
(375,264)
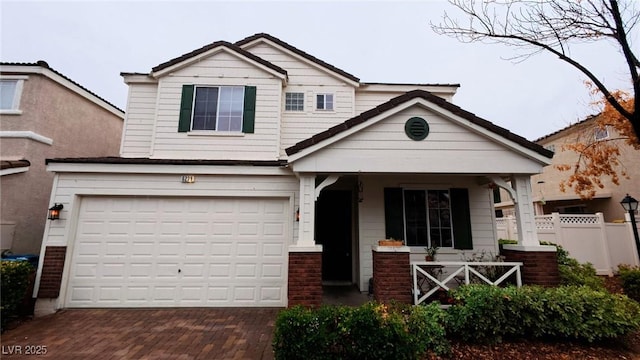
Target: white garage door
(139,252)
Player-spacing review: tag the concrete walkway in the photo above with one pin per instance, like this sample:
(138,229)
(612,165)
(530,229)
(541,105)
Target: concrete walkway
(192,333)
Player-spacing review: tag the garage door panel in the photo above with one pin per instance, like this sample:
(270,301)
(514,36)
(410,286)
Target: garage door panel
(179,252)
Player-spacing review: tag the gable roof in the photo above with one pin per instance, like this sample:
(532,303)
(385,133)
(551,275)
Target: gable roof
(41,64)
(342,127)
(571,126)
(214,45)
(297,51)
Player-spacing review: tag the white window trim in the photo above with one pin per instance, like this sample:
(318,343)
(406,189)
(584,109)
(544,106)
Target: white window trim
(12,171)
(26,135)
(15,107)
(215,131)
(333,103)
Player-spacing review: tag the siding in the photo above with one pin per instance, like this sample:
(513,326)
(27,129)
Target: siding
(371,217)
(139,120)
(68,186)
(219,69)
(449,148)
(305,78)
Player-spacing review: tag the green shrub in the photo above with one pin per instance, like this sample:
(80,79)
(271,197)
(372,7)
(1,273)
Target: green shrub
(371,331)
(573,273)
(630,277)
(487,314)
(15,282)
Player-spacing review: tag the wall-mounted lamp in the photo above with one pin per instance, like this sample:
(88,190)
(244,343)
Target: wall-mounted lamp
(188,179)
(54,211)
(298,214)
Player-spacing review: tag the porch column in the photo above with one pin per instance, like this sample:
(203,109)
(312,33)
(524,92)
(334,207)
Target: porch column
(305,257)
(525,214)
(540,264)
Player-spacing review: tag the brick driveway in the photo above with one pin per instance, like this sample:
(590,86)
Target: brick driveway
(193,333)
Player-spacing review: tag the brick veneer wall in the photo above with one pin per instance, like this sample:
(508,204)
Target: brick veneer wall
(391,277)
(538,268)
(52,267)
(305,278)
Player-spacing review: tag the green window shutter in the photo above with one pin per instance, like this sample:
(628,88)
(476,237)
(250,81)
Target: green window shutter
(249,116)
(393,213)
(461,216)
(184,123)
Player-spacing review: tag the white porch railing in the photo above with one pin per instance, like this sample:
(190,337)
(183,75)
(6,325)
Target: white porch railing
(426,275)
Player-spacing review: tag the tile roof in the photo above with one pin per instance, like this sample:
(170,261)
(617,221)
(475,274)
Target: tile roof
(404,98)
(298,52)
(214,45)
(588,118)
(44,64)
(147,161)
(9,164)
(409,84)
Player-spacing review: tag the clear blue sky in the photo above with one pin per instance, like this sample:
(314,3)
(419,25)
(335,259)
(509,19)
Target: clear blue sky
(378,41)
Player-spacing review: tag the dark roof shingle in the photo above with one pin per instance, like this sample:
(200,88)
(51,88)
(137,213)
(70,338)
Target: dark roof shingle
(214,45)
(298,52)
(44,64)
(148,161)
(409,96)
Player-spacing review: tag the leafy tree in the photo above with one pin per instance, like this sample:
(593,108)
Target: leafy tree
(553,26)
(601,158)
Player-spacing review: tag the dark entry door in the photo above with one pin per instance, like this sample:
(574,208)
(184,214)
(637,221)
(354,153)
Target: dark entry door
(333,231)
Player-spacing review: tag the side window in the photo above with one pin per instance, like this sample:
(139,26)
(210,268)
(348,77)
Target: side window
(294,101)
(10,92)
(324,102)
(601,133)
(217,108)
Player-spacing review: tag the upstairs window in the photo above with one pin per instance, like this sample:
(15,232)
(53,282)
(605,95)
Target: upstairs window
(601,133)
(294,101)
(324,102)
(10,91)
(217,108)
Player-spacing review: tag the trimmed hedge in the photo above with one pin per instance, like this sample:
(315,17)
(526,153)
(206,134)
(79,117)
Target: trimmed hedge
(371,331)
(15,282)
(486,314)
(630,278)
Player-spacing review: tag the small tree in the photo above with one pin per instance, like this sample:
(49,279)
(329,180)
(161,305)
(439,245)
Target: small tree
(552,26)
(600,158)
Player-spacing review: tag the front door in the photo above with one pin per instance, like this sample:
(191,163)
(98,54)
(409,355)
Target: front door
(334,232)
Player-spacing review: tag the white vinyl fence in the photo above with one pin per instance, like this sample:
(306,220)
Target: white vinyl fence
(587,238)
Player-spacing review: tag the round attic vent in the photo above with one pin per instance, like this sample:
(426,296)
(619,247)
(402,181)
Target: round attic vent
(416,128)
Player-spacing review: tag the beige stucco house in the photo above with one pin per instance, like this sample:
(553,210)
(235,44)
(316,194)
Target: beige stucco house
(549,198)
(44,114)
(250,172)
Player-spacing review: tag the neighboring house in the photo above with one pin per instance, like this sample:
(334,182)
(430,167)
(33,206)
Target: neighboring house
(549,198)
(245,166)
(44,114)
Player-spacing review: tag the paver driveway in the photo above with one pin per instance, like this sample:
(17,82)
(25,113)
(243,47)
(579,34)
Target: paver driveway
(193,333)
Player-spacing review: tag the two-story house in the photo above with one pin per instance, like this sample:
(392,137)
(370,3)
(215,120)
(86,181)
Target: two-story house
(250,172)
(44,114)
(549,198)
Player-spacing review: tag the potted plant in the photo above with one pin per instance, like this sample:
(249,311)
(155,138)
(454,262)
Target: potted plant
(431,253)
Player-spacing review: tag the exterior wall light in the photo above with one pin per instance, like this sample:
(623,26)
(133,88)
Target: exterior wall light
(298,214)
(54,211)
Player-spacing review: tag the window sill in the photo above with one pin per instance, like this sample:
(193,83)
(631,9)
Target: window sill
(10,112)
(216,133)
